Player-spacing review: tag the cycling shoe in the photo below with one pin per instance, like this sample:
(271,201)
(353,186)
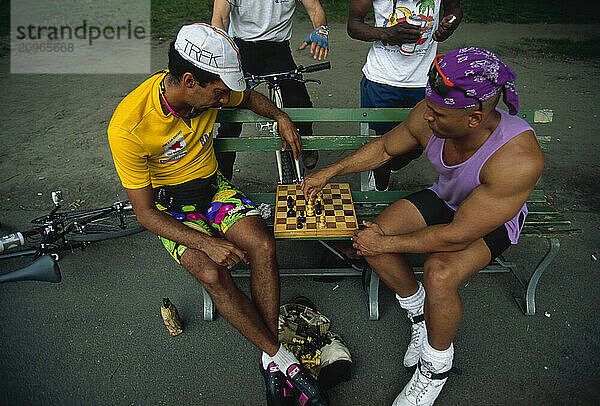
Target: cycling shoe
(306,385)
(275,383)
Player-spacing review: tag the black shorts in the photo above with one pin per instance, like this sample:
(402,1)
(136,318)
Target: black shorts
(435,211)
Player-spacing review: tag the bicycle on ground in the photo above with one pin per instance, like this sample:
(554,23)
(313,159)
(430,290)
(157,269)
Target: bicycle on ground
(64,230)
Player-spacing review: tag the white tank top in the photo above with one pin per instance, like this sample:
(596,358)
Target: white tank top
(261,20)
(406,65)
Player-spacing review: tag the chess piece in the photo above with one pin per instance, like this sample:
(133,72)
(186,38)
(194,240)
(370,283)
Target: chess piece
(322,222)
(290,202)
(299,225)
(291,213)
(310,208)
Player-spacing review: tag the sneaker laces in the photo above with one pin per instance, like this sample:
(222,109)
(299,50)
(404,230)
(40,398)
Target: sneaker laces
(418,331)
(420,387)
(416,337)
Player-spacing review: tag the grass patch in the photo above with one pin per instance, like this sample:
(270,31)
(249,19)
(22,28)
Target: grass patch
(529,11)
(561,47)
(167,16)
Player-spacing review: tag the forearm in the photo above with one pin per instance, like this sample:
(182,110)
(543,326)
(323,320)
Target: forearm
(166,226)
(316,15)
(259,104)
(220,17)
(436,238)
(370,156)
(359,30)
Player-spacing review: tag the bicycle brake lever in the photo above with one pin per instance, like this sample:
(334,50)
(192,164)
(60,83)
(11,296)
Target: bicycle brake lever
(57,198)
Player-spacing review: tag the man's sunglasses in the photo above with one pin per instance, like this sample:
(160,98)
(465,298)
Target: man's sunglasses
(442,85)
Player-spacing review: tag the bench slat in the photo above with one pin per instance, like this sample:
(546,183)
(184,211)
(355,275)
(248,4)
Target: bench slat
(358,197)
(353,115)
(318,142)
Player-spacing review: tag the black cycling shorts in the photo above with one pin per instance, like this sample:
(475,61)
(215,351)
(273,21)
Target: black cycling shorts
(435,211)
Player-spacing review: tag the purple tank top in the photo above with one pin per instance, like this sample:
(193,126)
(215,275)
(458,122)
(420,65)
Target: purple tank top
(457,182)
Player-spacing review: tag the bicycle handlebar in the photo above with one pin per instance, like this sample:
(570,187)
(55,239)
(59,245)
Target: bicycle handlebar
(11,241)
(315,68)
(295,74)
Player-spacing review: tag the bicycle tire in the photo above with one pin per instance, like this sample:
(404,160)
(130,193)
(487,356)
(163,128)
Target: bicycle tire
(106,228)
(287,168)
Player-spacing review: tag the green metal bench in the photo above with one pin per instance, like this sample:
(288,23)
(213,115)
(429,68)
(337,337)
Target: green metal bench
(543,220)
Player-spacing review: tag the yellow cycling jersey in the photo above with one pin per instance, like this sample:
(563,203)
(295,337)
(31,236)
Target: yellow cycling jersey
(153,148)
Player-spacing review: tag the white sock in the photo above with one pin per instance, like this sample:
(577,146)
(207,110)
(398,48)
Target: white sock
(284,358)
(437,361)
(266,360)
(413,304)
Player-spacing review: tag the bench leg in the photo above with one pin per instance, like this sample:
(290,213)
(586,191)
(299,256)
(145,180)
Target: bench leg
(528,308)
(209,307)
(373,292)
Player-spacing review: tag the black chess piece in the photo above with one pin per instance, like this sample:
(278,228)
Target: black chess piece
(291,212)
(299,225)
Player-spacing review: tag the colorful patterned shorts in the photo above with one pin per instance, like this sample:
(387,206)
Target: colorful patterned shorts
(227,206)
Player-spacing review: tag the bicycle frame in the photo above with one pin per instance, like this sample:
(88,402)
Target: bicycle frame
(272,82)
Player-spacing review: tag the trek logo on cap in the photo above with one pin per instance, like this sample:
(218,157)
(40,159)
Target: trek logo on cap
(201,55)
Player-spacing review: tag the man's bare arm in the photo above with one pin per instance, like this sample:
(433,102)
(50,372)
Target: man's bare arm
(449,23)
(507,181)
(401,139)
(220,16)
(219,250)
(315,12)
(288,132)
(357,28)
(319,44)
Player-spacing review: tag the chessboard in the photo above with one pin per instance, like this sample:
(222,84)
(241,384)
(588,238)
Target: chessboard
(338,212)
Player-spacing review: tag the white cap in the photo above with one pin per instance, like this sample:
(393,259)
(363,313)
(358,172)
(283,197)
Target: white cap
(211,49)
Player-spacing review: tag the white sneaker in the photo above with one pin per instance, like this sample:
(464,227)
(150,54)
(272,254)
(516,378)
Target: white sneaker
(422,389)
(417,337)
(371,184)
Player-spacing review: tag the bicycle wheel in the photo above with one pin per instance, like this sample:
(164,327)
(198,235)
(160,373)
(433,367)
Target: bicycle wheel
(104,228)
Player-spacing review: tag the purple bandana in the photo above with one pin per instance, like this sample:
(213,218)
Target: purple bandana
(481,74)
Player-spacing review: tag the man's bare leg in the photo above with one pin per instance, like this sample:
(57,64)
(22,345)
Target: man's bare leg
(443,275)
(231,303)
(250,234)
(394,270)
